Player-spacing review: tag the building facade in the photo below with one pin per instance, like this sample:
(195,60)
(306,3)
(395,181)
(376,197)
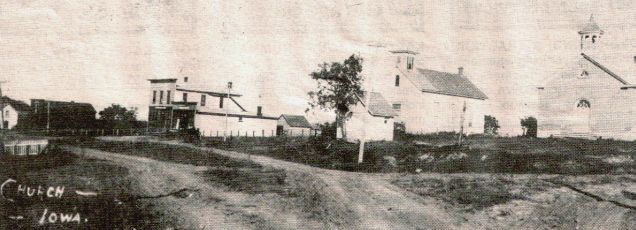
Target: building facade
(294,125)
(424,100)
(372,120)
(56,115)
(213,112)
(15,113)
(588,100)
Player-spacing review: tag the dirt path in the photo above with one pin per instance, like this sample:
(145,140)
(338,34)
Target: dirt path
(373,199)
(209,207)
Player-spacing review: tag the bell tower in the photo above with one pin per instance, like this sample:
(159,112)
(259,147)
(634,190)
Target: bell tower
(590,36)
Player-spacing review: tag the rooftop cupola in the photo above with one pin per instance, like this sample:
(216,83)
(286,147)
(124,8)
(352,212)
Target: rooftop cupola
(590,35)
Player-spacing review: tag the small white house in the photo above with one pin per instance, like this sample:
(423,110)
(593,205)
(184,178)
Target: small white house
(293,125)
(371,119)
(14,111)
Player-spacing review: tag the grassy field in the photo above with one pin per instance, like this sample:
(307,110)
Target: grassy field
(112,208)
(437,153)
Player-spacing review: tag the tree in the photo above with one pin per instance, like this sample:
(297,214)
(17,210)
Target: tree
(491,125)
(339,85)
(529,126)
(117,112)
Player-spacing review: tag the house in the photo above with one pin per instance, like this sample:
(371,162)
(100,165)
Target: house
(214,112)
(56,115)
(590,99)
(15,113)
(371,119)
(294,125)
(425,100)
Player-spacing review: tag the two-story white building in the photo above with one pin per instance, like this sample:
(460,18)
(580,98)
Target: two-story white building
(213,112)
(424,100)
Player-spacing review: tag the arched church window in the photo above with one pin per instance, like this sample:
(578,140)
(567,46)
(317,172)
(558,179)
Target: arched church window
(594,39)
(584,104)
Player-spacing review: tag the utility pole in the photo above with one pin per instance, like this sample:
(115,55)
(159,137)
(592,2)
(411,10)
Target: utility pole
(2,104)
(229,88)
(461,124)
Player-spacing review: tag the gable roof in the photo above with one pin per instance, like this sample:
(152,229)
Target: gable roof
(606,70)
(65,106)
(437,82)
(19,106)
(377,105)
(297,121)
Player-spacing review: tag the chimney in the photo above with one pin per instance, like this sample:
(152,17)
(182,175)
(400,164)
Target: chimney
(460,71)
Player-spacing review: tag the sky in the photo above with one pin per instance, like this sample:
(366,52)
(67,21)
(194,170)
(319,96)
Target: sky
(103,52)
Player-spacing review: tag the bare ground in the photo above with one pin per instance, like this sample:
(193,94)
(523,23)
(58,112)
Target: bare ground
(347,200)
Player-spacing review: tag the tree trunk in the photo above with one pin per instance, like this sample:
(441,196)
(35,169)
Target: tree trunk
(340,124)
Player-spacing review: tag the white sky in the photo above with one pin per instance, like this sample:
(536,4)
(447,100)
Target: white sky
(102,52)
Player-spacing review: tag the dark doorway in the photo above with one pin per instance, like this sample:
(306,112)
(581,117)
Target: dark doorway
(279,130)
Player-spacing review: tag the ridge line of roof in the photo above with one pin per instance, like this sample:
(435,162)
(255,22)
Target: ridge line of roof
(605,69)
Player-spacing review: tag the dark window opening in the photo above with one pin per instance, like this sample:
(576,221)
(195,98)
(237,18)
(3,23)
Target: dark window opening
(221,102)
(185,97)
(240,119)
(397,80)
(154,97)
(259,111)
(202,100)
(397,107)
(409,62)
(185,79)
(168,97)
(161,97)
(594,39)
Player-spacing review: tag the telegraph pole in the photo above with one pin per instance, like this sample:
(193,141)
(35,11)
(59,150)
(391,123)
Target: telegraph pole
(2,104)
(229,88)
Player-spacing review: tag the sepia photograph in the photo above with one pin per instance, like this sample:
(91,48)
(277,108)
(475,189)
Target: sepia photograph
(318,114)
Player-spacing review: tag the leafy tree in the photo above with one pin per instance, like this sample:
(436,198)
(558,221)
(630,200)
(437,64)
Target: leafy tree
(117,112)
(491,125)
(529,126)
(339,85)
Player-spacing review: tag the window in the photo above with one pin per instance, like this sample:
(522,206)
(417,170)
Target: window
(409,62)
(154,97)
(185,97)
(241,119)
(202,99)
(397,107)
(185,79)
(259,111)
(168,97)
(397,80)
(584,104)
(221,102)
(161,97)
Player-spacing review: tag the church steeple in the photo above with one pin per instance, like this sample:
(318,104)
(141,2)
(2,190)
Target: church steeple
(590,35)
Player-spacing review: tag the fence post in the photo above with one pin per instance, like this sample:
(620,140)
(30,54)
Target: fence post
(291,132)
(117,132)
(253,133)
(231,133)
(302,133)
(272,132)
(217,133)
(263,132)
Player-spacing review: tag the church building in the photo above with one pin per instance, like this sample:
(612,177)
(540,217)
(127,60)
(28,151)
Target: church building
(589,99)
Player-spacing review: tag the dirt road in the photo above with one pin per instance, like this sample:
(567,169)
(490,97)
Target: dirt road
(372,202)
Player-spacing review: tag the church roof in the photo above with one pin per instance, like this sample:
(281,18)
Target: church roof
(605,69)
(591,27)
(437,82)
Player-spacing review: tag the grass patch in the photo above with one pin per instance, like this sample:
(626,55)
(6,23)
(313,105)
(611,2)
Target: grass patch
(169,153)
(436,153)
(250,180)
(469,195)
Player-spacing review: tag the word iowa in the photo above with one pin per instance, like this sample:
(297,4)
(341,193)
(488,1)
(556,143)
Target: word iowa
(10,189)
(59,218)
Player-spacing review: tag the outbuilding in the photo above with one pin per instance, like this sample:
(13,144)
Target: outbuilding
(293,125)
